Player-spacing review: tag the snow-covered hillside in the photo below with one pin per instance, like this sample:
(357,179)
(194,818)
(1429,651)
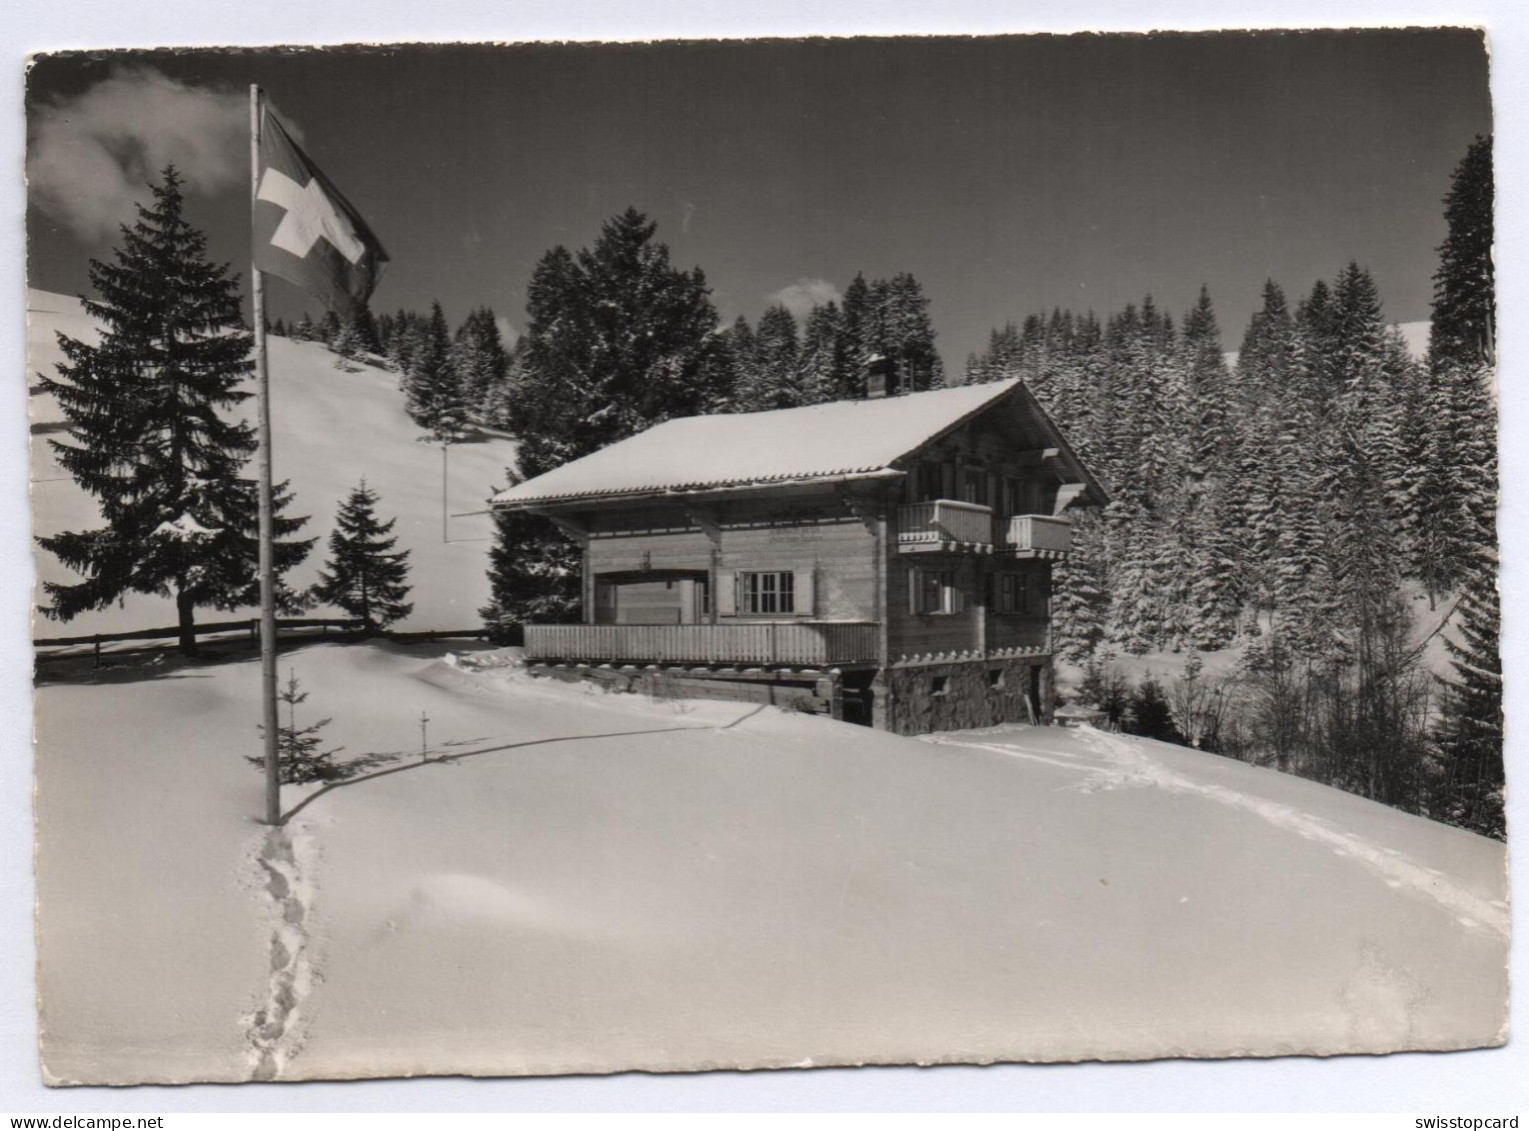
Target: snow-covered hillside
(331,429)
(594,882)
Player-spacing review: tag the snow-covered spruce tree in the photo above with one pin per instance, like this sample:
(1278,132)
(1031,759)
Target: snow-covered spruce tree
(480,363)
(852,348)
(1456,503)
(428,380)
(147,435)
(1264,367)
(348,347)
(329,328)
(896,325)
(1080,602)
(364,576)
(1209,494)
(305,330)
(775,355)
(1464,326)
(1468,733)
(617,339)
(1460,514)
(815,368)
(403,337)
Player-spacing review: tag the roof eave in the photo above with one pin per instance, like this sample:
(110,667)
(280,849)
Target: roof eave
(695,493)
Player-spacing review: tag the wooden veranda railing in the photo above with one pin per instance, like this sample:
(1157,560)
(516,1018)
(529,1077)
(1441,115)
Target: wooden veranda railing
(945,520)
(772,642)
(1036,532)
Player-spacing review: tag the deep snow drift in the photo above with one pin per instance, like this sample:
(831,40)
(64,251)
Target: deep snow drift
(331,429)
(601,882)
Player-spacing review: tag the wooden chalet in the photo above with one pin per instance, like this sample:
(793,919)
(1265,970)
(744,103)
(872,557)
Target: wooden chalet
(885,560)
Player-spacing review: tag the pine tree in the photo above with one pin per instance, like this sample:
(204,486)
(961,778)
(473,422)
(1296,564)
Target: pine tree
(364,576)
(905,334)
(853,347)
(329,328)
(742,360)
(364,327)
(1464,326)
(1262,391)
(146,437)
(480,363)
(1458,511)
(617,339)
(816,377)
(301,757)
(348,347)
(775,357)
(1208,495)
(429,382)
(305,330)
(1468,734)
(1455,502)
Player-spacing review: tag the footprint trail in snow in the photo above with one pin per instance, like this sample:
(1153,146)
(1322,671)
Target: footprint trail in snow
(274,1029)
(1125,764)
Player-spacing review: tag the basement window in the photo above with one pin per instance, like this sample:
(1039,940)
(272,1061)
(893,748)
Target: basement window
(938,684)
(995,677)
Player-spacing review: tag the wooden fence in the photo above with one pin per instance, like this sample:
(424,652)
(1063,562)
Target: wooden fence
(55,648)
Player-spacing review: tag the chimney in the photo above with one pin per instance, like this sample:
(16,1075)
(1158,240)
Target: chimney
(880,377)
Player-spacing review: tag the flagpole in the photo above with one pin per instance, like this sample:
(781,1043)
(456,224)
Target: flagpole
(267,508)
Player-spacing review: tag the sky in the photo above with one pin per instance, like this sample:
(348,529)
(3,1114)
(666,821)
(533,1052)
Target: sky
(1008,174)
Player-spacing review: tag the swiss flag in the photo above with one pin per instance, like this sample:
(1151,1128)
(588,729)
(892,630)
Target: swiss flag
(306,232)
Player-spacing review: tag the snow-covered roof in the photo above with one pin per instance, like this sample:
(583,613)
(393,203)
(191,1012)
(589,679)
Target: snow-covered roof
(838,440)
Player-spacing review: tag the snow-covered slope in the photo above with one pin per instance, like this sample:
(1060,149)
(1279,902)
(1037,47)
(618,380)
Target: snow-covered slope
(600,882)
(331,429)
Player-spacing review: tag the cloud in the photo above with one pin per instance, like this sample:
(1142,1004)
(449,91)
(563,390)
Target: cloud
(801,296)
(91,156)
(507,332)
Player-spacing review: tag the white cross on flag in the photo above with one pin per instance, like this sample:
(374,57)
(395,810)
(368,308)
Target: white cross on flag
(306,232)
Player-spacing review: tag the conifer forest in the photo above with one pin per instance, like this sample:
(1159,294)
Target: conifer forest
(1305,498)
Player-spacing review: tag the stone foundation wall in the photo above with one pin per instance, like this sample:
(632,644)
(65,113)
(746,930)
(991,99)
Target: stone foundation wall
(961,694)
(795,691)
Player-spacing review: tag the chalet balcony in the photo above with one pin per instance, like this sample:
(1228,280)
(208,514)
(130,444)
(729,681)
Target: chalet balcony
(786,643)
(944,524)
(1036,536)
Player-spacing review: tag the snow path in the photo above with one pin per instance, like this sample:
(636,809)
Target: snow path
(1126,764)
(275,1029)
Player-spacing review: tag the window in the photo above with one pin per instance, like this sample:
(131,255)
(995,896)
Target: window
(1022,592)
(938,684)
(773,592)
(1012,592)
(928,488)
(995,678)
(974,487)
(933,591)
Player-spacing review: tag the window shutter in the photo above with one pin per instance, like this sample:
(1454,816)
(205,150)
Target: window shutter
(913,589)
(727,592)
(955,596)
(804,591)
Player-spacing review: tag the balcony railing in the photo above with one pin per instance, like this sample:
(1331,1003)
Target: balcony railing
(1033,533)
(944,520)
(773,642)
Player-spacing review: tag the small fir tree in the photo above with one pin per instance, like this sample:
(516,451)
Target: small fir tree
(364,575)
(301,757)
